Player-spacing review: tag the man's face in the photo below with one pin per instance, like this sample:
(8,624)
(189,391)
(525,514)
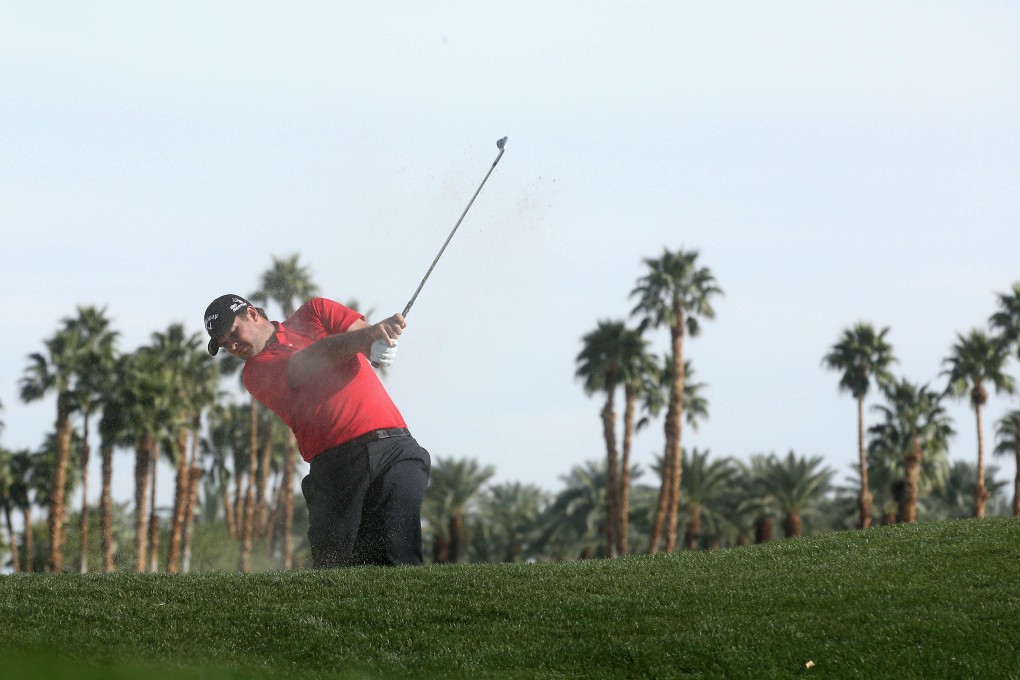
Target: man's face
(243,341)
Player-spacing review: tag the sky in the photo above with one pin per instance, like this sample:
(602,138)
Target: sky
(830,162)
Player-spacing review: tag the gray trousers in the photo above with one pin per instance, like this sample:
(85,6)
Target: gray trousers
(364,503)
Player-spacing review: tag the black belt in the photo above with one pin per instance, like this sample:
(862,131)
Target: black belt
(375,435)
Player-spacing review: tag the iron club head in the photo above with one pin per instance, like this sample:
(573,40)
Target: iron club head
(501,143)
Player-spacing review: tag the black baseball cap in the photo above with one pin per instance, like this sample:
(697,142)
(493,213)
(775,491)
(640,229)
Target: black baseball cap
(220,315)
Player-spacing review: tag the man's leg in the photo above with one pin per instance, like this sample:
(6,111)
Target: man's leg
(334,490)
(391,522)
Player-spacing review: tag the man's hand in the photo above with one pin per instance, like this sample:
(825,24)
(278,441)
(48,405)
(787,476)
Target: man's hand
(383,353)
(389,329)
(384,349)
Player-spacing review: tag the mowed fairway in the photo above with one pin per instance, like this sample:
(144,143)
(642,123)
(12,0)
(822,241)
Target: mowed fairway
(934,600)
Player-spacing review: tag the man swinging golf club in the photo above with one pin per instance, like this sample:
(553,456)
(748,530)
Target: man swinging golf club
(367,475)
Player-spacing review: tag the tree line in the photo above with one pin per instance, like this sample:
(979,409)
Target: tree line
(905,454)
(234,462)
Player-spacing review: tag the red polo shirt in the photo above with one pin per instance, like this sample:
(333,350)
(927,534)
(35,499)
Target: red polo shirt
(337,405)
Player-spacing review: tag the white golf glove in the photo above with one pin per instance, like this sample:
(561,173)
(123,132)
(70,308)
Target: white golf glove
(383,353)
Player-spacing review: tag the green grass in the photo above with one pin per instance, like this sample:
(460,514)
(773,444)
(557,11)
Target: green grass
(927,601)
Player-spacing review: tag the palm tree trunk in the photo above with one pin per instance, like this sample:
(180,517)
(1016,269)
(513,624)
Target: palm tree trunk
(12,540)
(262,479)
(58,485)
(676,405)
(287,499)
(440,549)
(612,468)
(660,507)
(458,539)
(981,494)
(189,517)
(912,482)
(864,498)
(693,530)
(248,521)
(29,543)
(792,525)
(83,520)
(275,509)
(153,517)
(173,559)
(238,501)
(106,507)
(228,507)
(763,530)
(899,496)
(1016,479)
(623,528)
(194,476)
(142,454)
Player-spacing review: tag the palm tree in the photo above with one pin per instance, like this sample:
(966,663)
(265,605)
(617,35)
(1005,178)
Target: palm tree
(227,441)
(675,293)
(262,427)
(453,489)
(861,355)
(1005,322)
(791,487)
(511,512)
(694,409)
(203,379)
(56,371)
(22,487)
(191,376)
(956,499)
(1007,437)
(288,284)
(977,359)
(97,358)
(244,501)
(704,487)
(113,432)
(610,356)
(574,521)
(148,408)
(641,377)
(916,430)
(7,492)
(43,462)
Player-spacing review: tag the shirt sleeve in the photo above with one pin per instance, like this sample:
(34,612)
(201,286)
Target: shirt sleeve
(333,316)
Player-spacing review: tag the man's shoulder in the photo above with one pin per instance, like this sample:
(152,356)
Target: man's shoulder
(324,313)
(314,307)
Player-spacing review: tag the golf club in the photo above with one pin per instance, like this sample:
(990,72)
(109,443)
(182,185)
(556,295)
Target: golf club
(501,145)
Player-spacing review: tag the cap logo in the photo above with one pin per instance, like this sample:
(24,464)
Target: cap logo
(209,321)
(237,304)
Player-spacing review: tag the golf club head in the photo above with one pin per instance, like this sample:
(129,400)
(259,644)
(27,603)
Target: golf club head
(501,143)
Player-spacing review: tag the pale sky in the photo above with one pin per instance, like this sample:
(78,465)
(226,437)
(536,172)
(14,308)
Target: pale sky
(832,162)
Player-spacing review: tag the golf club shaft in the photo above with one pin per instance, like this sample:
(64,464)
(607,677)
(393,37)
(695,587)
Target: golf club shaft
(502,147)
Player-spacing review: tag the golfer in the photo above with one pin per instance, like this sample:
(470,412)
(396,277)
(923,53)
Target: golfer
(367,475)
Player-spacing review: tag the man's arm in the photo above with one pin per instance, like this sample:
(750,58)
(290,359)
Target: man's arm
(334,350)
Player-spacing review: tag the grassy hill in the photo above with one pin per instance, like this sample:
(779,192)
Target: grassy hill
(925,601)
